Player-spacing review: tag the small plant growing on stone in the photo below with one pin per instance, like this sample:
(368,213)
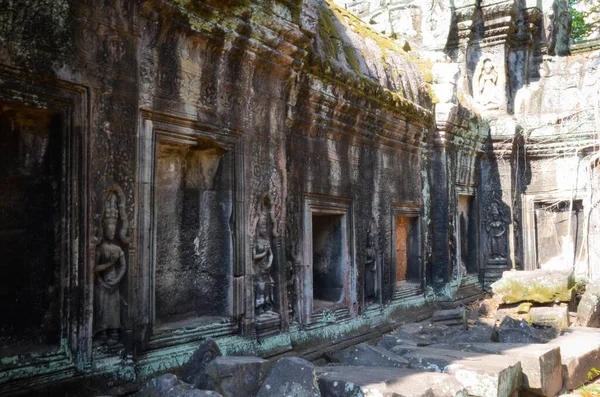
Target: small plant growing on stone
(592,373)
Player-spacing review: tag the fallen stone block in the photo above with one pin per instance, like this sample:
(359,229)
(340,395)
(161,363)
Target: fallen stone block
(483,375)
(542,286)
(168,385)
(237,376)
(479,334)
(291,376)
(367,355)
(194,371)
(549,316)
(512,330)
(540,363)
(402,338)
(450,317)
(588,310)
(352,381)
(580,352)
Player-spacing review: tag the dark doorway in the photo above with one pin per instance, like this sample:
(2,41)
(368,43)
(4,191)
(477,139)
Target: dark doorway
(467,235)
(31,178)
(328,259)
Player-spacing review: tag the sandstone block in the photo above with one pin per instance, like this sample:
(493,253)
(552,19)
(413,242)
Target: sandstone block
(367,355)
(237,376)
(352,381)
(588,311)
(550,316)
(194,371)
(291,376)
(483,375)
(580,352)
(542,286)
(541,363)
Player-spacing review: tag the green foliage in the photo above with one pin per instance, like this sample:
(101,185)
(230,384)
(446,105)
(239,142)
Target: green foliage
(584,22)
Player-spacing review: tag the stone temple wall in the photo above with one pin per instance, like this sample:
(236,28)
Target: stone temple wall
(173,170)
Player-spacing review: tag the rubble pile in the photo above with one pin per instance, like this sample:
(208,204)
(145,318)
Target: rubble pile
(530,338)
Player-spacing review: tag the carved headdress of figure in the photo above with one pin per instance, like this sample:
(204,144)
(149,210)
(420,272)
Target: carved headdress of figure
(114,213)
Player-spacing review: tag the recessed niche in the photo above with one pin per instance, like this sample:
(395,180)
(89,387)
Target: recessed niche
(407,249)
(30,228)
(466,234)
(193,204)
(328,244)
(559,233)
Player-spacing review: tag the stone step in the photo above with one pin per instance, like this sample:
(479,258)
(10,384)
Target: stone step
(541,363)
(580,352)
(483,375)
(352,381)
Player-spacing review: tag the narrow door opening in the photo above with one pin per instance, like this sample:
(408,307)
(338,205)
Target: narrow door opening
(407,249)
(328,259)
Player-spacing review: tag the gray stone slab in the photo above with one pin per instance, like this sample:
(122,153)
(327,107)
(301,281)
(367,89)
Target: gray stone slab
(480,334)
(168,385)
(352,381)
(580,352)
(367,355)
(540,363)
(519,331)
(291,377)
(237,376)
(402,338)
(483,375)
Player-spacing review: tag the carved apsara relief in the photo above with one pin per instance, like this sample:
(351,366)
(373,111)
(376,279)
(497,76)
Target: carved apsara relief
(110,267)
(262,259)
(496,229)
(487,85)
(370,265)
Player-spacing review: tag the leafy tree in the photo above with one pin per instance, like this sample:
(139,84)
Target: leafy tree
(585,22)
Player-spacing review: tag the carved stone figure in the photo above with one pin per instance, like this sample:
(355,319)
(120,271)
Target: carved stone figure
(262,257)
(371,269)
(496,229)
(487,83)
(109,269)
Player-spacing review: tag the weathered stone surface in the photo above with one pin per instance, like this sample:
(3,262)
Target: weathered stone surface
(194,372)
(367,355)
(482,374)
(480,334)
(549,316)
(540,363)
(519,331)
(168,385)
(402,338)
(588,310)
(237,376)
(580,352)
(352,381)
(541,286)
(291,376)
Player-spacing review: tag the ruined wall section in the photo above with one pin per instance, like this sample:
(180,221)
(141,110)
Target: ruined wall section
(192,139)
(357,147)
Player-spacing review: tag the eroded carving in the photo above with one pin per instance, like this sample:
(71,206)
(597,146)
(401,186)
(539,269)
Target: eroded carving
(496,229)
(262,257)
(487,84)
(371,266)
(110,268)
